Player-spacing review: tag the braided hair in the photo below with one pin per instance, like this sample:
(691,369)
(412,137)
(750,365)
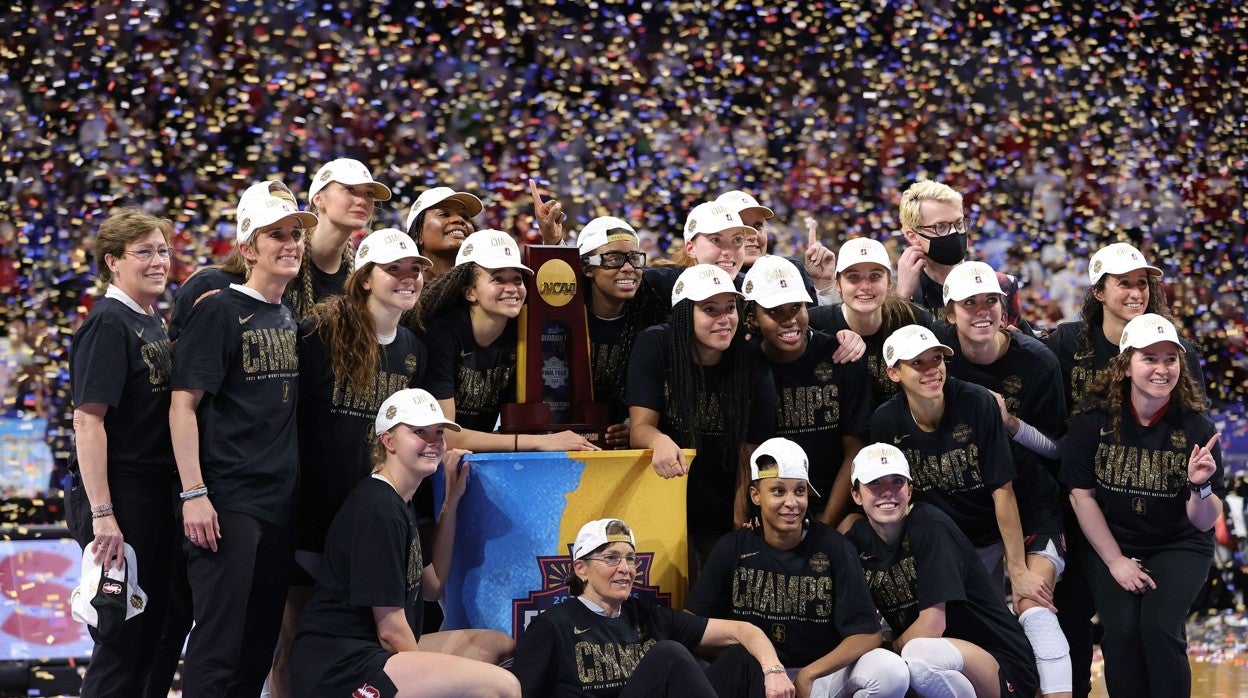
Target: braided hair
(688,381)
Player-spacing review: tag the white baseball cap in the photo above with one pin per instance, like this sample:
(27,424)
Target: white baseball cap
(432,197)
(714,217)
(413,407)
(790,461)
(910,341)
(862,251)
(106,598)
(879,460)
(968,279)
(602,230)
(491,249)
(1146,330)
(594,534)
(1118,258)
(701,281)
(388,245)
(773,281)
(349,172)
(258,207)
(740,201)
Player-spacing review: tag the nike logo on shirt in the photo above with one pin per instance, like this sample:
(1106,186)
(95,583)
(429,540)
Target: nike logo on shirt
(243,320)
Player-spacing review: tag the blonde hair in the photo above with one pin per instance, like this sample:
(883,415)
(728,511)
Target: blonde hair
(924,190)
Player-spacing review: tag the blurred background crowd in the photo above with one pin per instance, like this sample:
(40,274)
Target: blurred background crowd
(1065,125)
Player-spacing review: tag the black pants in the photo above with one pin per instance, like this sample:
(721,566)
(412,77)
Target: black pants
(1145,643)
(168,649)
(143,507)
(669,671)
(1073,598)
(238,594)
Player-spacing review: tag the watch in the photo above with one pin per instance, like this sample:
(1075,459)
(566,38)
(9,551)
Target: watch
(1204,489)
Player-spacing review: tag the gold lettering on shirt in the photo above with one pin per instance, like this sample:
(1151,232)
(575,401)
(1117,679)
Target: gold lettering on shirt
(893,588)
(1142,471)
(269,350)
(603,664)
(953,471)
(482,390)
(385,384)
(775,596)
(807,406)
(1081,379)
(158,356)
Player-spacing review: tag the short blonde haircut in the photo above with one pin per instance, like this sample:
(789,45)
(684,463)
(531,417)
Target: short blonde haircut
(924,190)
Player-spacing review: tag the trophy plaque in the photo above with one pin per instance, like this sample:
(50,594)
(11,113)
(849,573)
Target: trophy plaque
(554,380)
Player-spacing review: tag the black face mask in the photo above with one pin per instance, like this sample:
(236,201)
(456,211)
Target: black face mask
(947,250)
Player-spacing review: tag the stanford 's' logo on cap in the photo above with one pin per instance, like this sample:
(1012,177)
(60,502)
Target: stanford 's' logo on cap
(391,411)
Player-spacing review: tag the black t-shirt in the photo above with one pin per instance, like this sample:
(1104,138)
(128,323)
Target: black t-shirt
(1029,380)
(480,379)
(336,425)
(713,474)
(372,560)
(807,599)
(1139,475)
(1081,366)
(819,402)
(571,652)
(201,282)
(123,359)
(241,351)
(958,466)
(934,563)
(325,285)
(831,319)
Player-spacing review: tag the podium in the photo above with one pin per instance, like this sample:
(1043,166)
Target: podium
(520,514)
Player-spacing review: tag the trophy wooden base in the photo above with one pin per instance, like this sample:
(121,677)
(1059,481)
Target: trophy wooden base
(589,419)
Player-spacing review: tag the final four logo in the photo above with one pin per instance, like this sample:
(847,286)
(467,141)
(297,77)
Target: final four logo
(555,572)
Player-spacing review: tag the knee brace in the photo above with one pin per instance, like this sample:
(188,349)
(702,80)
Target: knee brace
(880,674)
(936,668)
(1049,646)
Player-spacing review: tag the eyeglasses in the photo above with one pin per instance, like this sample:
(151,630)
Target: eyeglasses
(939,230)
(615,260)
(614,560)
(144,254)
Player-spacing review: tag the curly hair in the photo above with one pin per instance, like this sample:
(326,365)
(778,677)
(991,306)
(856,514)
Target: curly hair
(349,332)
(736,394)
(443,293)
(1092,312)
(576,585)
(1112,389)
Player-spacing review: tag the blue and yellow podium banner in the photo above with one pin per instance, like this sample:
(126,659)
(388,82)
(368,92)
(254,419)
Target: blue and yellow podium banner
(521,513)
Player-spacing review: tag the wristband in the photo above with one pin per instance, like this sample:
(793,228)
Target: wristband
(193,493)
(1204,489)
(102,509)
(774,669)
